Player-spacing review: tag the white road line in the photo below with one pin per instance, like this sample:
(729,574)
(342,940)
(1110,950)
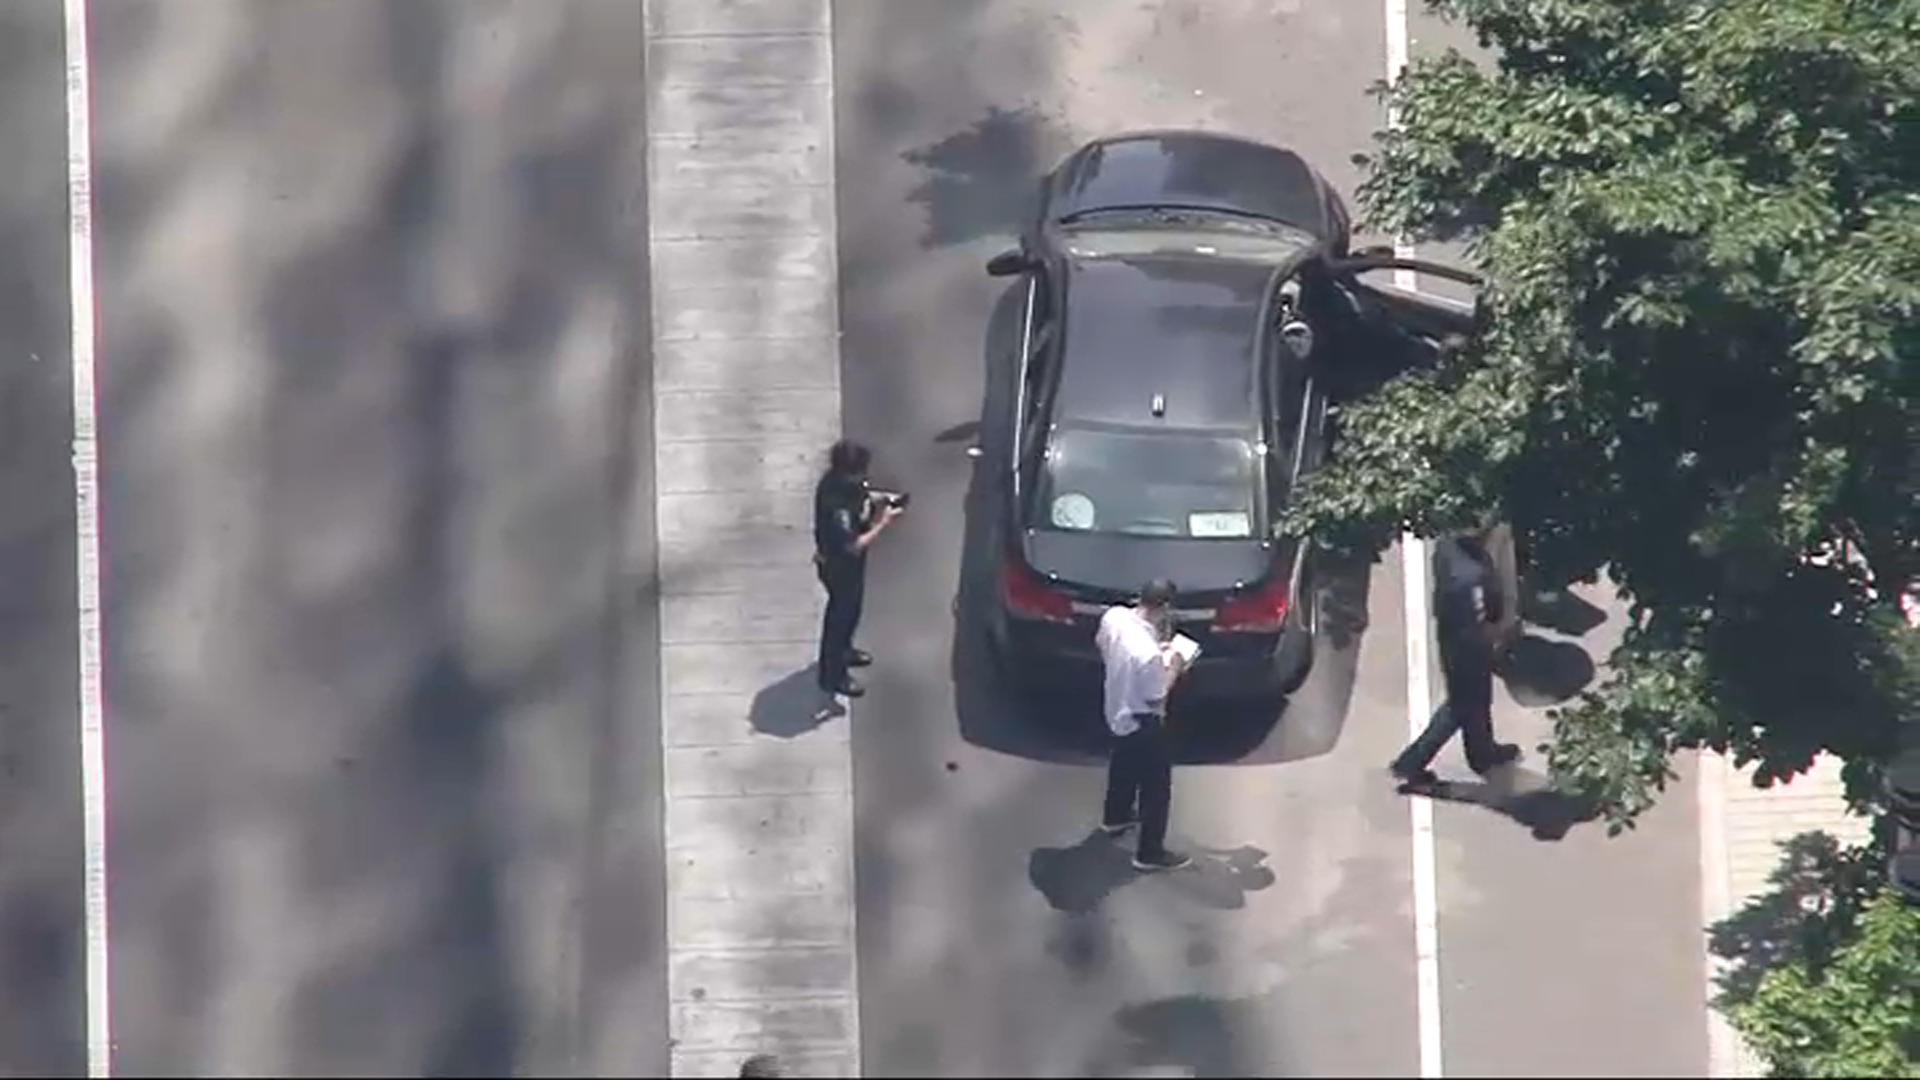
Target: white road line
(1420,704)
(1426,899)
(86,491)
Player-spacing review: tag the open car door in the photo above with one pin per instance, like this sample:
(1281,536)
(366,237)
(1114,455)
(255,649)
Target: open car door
(1425,315)
(1394,330)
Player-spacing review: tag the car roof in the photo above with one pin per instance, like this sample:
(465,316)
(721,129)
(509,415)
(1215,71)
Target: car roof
(1182,327)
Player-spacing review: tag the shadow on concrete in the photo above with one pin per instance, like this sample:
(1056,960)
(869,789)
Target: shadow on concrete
(1540,672)
(1515,792)
(1559,610)
(981,181)
(1812,898)
(793,706)
(1078,879)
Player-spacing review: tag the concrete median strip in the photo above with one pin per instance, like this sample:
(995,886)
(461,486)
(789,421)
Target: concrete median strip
(758,814)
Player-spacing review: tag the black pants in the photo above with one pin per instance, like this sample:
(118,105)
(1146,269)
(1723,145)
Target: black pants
(1140,778)
(1468,671)
(846,586)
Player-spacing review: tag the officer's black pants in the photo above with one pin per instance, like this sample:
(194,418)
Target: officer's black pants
(1140,779)
(846,586)
(1468,670)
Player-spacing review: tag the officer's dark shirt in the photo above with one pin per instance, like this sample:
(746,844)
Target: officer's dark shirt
(839,517)
(1466,592)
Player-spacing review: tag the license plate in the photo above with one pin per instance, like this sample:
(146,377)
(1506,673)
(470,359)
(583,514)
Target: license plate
(1081,607)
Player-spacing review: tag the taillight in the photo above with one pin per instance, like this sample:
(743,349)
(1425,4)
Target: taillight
(1262,611)
(1028,597)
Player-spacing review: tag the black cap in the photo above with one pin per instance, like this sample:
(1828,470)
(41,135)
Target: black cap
(1157,593)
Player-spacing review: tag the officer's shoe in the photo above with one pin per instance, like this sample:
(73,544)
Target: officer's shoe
(859,658)
(1503,754)
(1165,860)
(848,689)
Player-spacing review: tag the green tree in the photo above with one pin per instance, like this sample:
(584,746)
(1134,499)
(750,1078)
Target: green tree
(1703,225)
(1821,978)
(1699,376)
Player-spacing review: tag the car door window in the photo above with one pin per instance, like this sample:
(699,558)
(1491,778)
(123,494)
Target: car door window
(1040,351)
(1036,366)
(1287,404)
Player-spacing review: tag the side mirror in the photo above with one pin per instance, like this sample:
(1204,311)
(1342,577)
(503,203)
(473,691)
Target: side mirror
(1009,264)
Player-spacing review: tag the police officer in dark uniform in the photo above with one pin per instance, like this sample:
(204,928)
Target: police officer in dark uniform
(1470,609)
(847,517)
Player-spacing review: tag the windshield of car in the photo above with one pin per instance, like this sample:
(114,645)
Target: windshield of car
(1152,483)
(1131,231)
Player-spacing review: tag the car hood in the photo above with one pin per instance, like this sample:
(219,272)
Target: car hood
(1114,567)
(1196,169)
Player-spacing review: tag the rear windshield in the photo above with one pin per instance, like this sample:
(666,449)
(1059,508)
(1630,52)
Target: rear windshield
(1200,487)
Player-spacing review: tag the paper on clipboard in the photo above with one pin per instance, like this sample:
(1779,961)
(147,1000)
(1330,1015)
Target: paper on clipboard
(1184,647)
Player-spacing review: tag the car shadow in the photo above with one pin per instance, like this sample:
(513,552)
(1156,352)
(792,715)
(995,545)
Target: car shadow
(1061,723)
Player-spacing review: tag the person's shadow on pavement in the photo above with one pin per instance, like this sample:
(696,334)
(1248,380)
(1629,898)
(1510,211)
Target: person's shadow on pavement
(1078,879)
(1518,793)
(793,706)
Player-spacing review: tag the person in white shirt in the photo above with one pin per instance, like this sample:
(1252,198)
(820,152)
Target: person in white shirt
(1141,666)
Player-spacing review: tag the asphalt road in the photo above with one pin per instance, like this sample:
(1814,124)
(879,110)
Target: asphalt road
(42,928)
(995,937)
(375,380)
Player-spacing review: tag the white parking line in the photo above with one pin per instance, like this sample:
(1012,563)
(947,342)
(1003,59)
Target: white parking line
(86,492)
(1420,704)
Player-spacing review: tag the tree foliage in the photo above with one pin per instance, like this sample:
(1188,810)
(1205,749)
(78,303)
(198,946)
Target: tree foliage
(1821,979)
(1702,223)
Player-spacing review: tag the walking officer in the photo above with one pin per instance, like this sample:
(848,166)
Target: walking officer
(1470,615)
(847,517)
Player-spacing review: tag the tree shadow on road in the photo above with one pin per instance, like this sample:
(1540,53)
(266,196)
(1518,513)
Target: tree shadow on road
(1540,672)
(1814,894)
(1560,610)
(42,871)
(980,181)
(406,775)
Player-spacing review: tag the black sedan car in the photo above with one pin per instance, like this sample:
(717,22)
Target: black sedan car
(1188,300)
